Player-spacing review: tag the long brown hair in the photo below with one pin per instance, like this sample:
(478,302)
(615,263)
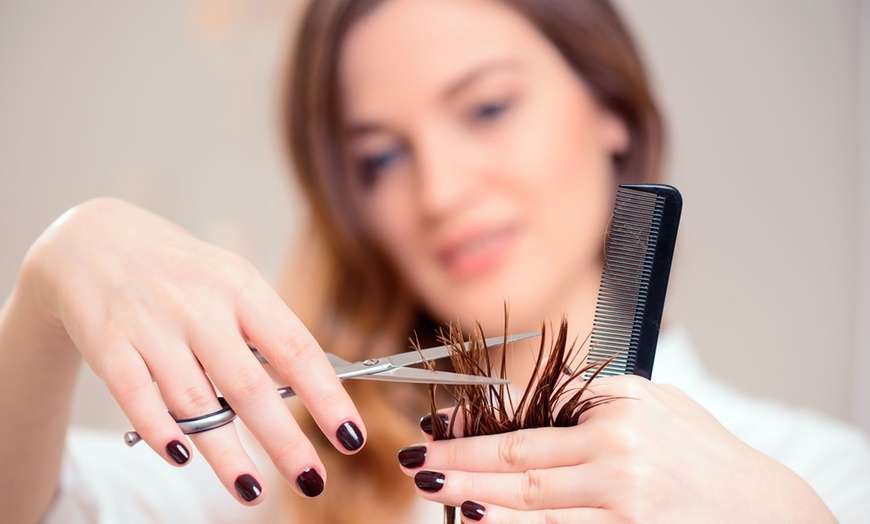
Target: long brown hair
(344,287)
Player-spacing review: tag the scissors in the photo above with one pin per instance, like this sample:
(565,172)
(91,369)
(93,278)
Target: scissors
(393,368)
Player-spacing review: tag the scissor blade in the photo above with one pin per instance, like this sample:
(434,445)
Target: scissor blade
(426,376)
(416,357)
(373,366)
(337,361)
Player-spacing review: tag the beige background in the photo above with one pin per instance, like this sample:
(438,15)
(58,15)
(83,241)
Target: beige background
(171,104)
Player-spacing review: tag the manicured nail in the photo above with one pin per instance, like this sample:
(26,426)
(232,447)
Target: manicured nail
(412,457)
(248,487)
(178,452)
(472,510)
(310,482)
(426,422)
(350,437)
(429,481)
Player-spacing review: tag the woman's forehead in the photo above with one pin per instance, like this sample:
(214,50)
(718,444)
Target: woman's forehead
(418,48)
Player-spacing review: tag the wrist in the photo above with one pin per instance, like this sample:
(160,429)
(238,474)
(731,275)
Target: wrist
(34,299)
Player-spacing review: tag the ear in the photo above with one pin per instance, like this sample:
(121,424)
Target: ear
(614,133)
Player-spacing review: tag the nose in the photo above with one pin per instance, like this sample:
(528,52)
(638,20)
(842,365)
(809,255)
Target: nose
(447,173)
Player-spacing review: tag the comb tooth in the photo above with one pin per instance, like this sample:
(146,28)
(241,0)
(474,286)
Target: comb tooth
(613,326)
(631,293)
(636,216)
(624,290)
(621,251)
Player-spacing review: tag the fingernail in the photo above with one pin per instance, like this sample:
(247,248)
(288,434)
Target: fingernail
(412,457)
(310,482)
(178,452)
(350,437)
(248,487)
(472,510)
(426,422)
(429,481)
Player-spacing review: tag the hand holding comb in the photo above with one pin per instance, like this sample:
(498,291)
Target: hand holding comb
(637,263)
(638,256)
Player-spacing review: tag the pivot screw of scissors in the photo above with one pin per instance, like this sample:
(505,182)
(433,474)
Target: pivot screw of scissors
(370,361)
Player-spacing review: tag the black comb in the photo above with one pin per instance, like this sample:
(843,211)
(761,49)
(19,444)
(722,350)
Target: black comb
(637,263)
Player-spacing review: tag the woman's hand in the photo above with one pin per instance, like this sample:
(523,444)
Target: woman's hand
(652,456)
(145,302)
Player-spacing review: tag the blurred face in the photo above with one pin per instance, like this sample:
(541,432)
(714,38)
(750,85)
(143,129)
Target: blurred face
(483,163)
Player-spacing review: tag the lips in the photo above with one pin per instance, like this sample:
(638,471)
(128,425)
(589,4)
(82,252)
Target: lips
(476,251)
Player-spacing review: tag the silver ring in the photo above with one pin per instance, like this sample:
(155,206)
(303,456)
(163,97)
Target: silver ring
(190,426)
(206,422)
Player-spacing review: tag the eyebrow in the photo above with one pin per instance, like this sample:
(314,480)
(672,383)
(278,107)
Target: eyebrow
(453,89)
(472,76)
(364,128)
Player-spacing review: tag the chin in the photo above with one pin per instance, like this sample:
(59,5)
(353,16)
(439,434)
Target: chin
(483,300)
(488,310)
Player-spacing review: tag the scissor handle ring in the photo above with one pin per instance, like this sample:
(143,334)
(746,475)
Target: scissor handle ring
(190,426)
(219,418)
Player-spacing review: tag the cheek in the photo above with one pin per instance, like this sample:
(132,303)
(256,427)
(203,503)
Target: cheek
(562,164)
(393,221)
(568,188)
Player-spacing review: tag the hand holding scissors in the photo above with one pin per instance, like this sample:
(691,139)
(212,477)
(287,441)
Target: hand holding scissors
(164,320)
(393,368)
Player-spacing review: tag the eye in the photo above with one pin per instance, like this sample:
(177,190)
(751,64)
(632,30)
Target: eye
(489,111)
(373,166)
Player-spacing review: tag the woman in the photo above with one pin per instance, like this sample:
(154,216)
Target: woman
(455,153)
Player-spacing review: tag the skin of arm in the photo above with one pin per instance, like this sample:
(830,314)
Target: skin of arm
(38,369)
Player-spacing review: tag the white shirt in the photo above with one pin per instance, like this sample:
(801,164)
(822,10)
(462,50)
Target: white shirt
(104,481)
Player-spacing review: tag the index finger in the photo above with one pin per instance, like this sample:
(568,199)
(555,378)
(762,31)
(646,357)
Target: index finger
(511,452)
(294,353)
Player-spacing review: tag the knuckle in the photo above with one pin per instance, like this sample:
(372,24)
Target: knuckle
(447,452)
(129,392)
(512,448)
(149,427)
(550,516)
(531,489)
(248,385)
(295,348)
(332,402)
(634,386)
(223,459)
(286,451)
(637,513)
(622,437)
(195,400)
(236,270)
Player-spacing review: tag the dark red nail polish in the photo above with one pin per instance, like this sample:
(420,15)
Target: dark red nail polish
(178,452)
(248,487)
(350,436)
(426,422)
(429,481)
(472,510)
(310,482)
(412,457)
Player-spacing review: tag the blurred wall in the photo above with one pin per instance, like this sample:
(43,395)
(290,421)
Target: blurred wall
(861,386)
(763,100)
(171,104)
